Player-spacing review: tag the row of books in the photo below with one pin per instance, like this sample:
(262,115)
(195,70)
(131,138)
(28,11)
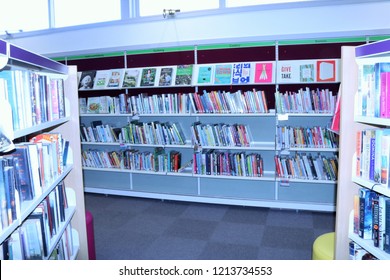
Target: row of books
(372,155)
(213,102)
(27,170)
(307,166)
(372,218)
(374,90)
(221,134)
(254,72)
(131,159)
(33,239)
(306,101)
(175,75)
(34,98)
(305,137)
(215,162)
(135,132)
(357,252)
(219,102)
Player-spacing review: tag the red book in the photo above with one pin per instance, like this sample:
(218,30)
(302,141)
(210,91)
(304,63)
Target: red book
(335,126)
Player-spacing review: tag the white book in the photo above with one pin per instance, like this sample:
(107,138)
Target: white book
(115,79)
(101,79)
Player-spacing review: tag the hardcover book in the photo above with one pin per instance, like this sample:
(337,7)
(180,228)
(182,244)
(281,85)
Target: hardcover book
(99,104)
(23,173)
(148,77)
(87,79)
(366,90)
(326,71)
(184,75)
(383,158)
(131,78)
(379,69)
(241,73)
(223,74)
(365,213)
(101,79)
(386,238)
(375,219)
(205,74)
(83,105)
(166,74)
(115,79)
(264,72)
(306,73)
(385,95)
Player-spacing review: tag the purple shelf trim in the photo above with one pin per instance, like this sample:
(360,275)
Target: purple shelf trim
(379,47)
(37,60)
(3,47)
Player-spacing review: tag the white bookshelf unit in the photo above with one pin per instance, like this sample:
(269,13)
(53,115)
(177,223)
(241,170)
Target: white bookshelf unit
(13,58)
(268,190)
(352,121)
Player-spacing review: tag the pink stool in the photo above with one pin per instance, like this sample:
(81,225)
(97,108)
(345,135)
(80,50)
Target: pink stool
(90,236)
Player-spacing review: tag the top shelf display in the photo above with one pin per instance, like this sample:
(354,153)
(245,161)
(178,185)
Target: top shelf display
(237,73)
(16,56)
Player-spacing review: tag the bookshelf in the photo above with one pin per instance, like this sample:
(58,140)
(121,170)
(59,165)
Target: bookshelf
(68,236)
(354,120)
(267,190)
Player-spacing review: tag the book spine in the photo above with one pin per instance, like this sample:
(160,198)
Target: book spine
(384,95)
(375,219)
(387,227)
(365,214)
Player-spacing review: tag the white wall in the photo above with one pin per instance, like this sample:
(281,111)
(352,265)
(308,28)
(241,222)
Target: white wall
(362,19)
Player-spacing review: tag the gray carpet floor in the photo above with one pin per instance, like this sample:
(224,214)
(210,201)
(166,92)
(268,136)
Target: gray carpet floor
(128,228)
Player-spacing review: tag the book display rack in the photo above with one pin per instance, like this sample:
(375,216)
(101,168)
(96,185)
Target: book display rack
(362,220)
(218,130)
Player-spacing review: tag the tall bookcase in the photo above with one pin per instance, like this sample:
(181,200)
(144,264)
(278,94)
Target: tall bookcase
(266,191)
(14,58)
(352,121)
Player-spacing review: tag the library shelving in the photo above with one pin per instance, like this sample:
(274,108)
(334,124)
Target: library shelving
(355,178)
(195,181)
(47,219)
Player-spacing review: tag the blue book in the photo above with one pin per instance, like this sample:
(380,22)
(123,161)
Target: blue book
(365,213)
(386,245)
(12,96)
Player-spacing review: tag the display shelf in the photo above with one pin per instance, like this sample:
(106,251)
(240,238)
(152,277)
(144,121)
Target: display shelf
(352,121)
(40,127)
(261,191)
(19,59)
(367,244)
(69,213)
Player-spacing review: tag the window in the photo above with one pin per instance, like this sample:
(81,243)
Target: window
(156,7)
(77,12)
(240,3)
(16,16)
